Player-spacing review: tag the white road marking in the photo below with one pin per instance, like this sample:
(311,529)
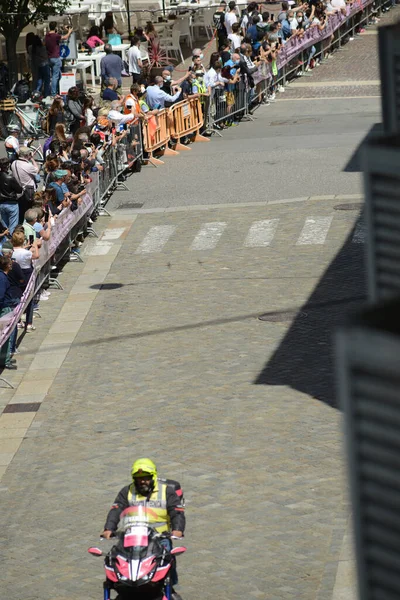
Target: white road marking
(314,231)
(360,233)
(208,236)
(261,233)
(155,239)
(100,248)
(113,234)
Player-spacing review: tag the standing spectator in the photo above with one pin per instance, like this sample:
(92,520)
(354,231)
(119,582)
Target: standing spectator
(24,257)
(110,30)
(235,37)
(115,115)
(75,108)
(10,189)
(29,40)
(11,142)
(14,294)
(219,23)
(150,32)
(109,93)
(52,43)
(264,25)
(6,362)
(56,115)
(155,97)
(135,60)
(26,172)
(230,17)
(131,104)
(40,60)
(111,65)
(88,104)
(32,226)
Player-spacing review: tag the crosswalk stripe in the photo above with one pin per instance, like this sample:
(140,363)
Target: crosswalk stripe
(208,236)
(314,231)
(261,233)
(360,233)
(155,239)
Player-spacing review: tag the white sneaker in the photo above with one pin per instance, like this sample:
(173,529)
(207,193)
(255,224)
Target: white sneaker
(281,89)
(272,97)
(43,297)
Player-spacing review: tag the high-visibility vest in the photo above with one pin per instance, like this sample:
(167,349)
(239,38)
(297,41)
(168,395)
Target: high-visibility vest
(127,109)
(143,103)
(157,502)
(201,88)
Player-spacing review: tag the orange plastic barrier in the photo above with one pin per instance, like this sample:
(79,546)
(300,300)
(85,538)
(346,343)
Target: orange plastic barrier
(156,135)
(186,118)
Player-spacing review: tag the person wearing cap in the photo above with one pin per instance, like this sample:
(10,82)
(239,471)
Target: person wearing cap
(11,142)
(26,171)
(156,97)
(230,17)
(10,190)
(164,496)
(59,175)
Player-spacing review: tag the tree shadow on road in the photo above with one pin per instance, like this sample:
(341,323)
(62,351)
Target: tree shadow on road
(305,357)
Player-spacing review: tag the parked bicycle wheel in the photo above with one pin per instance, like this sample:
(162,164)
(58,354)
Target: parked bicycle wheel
(3,128)
(10,118)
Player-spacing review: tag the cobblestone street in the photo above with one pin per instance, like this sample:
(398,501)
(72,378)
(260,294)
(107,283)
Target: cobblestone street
(165,365)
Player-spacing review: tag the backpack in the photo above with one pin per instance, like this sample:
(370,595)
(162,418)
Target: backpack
(22,91)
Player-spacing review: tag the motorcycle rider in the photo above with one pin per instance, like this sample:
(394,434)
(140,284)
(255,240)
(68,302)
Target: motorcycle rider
(164,496)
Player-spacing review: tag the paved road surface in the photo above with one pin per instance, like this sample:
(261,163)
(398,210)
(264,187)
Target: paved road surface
(155,348)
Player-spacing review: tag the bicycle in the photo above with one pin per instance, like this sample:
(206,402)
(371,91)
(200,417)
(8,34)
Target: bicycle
(29,117)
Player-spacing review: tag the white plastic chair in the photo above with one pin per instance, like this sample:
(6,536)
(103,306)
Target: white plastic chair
(172,43)
(185,29)
(203,18)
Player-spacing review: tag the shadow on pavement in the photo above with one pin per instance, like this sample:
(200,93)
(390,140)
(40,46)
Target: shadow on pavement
(305,357)
(354,164)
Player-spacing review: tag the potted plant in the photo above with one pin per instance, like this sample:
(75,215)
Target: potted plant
(158,58)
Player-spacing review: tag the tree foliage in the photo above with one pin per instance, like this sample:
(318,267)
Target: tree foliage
(15,15)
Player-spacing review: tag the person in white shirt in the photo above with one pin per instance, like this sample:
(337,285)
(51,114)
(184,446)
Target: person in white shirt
(135,59)
(230,17)
(11,142)
(116,116)
(235,37)
(213,78)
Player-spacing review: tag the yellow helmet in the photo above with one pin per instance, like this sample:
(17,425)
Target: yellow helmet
(144,465)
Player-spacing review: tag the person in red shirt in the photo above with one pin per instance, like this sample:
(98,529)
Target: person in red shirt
(52,43)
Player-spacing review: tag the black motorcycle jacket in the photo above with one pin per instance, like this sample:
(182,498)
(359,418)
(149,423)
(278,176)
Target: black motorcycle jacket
(175,506)
(9,188)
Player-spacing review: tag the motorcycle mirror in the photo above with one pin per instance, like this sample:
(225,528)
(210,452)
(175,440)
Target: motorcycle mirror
(178,550)
(95,551)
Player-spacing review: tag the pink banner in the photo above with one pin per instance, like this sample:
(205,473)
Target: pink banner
(294,46)
(64,223)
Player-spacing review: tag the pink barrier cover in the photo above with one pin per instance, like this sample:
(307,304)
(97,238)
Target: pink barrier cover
(64,224)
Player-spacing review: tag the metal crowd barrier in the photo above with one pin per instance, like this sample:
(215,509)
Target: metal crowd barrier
(69,224)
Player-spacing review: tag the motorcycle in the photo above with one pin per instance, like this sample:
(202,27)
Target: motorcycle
(138,566)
